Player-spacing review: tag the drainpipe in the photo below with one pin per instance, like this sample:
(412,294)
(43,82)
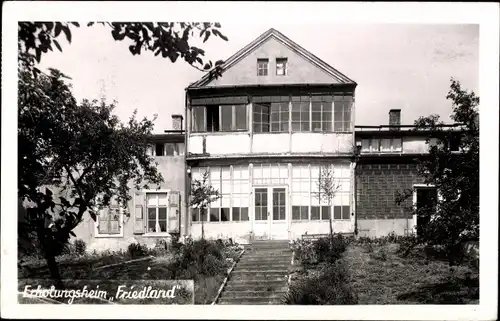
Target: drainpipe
(357,153)
(187,176)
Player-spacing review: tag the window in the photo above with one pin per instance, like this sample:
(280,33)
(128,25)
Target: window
(261,204)
(198,123)
(213,119)
(197,216)
(109,221)
(279,117)
(261,117)
(220,179)
(270,174)
(342,116)
(281,64)
(341,207)
(240,193)
(262,67)
(160,149)
(240,117)
(300,116)
(169,149)
(341,212)
(385,145)
(365,145)
(300,192)
(321,116)
(156,204)
(397,144)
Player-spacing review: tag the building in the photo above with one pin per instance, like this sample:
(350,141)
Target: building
(151,214)
(263,131)
(387,163)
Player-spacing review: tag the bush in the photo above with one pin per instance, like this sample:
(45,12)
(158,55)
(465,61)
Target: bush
(80,247)
(197,258)
(136,250)
(331,286)
(321,250)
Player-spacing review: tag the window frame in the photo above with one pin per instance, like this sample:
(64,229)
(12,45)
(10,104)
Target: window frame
(284,61)
(261,63)
(98,234)
(167,212)
(344,104)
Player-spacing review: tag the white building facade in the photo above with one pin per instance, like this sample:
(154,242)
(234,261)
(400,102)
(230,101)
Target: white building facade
(263,131)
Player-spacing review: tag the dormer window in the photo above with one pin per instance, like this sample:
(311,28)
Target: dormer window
(281,64)
(262,67)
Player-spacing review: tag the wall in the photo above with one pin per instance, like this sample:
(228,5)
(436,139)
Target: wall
(173,170)
(225,144)
(299,70)
(376,184)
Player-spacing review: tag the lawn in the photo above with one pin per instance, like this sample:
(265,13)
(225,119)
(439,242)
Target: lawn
(109,267)
(379,275)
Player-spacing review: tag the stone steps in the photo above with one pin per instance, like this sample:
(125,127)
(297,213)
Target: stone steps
(260,276)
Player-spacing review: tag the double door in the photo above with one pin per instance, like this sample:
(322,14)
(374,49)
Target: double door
(270,213)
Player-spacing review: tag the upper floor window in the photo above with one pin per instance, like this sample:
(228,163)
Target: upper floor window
(110,220)
(384,145)
(261,112)
(321,116)
(169,149)
(342,116)
(300,114)
(219,118)
(262,67)
(281,66)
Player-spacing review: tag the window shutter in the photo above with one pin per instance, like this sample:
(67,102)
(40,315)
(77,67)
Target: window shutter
(173,211)
(103,224)
(139,219)
(114,221)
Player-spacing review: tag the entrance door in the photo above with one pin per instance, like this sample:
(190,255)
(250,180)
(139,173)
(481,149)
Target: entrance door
(270,213)
(425,201)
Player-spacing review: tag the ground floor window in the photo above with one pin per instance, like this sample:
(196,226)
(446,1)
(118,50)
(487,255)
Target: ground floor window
(157,219)
(109,221)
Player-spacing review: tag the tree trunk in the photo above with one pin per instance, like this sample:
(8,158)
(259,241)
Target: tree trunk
(331,224)
(202,225)
(48,253)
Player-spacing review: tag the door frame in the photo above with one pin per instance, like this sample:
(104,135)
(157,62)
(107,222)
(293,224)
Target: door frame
(269,221)
(415,188)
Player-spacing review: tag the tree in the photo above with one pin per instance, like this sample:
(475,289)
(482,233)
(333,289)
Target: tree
(73,158)
(327,188)
(170,39)
(455,217)
(202,194)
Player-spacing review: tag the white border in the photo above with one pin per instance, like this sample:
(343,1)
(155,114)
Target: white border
(236,15)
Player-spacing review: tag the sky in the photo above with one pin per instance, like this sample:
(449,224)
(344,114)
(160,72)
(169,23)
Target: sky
(403,66)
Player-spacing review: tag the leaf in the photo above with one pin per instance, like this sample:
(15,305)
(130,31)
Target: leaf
(58,29)
(90,24)
(75,24)
(72,233)
(64,202)
(217,25)
(93,216)
(207,34)
(67,32)
(38,54)
(57,45)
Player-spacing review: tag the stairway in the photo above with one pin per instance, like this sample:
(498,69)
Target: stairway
(260,277)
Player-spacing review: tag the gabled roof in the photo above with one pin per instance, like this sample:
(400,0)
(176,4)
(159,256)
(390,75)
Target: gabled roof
(242,53)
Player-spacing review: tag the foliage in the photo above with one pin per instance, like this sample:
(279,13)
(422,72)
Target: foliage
(455,219)
(198,258)
(327,187)
(321,250)
(73,158)
(202,194)
(80,246)
(170,39)
(330,286)
(137,250)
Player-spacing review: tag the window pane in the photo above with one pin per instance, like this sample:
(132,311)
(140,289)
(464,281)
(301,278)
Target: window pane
(241,117)
(337,212)
(304,212)
(195,215)
(365,145)
(325,212)
(203,215)
(315,213)
(338,126)
(224,214)
(213,119)
(214,215)
(375,143)
(396,144)
(227,117)
(152,213)
(346,212)
(170,149)
(295,212)
(385,145)
(162,213)
(162,199)
(198,118)
(244,213)
(236,213)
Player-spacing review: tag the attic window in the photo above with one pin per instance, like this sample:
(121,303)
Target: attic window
(262,67)
(281,66)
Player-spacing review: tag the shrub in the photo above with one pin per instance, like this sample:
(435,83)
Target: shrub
(196,258)
(136,250)
(330,286)
(80,247)
(380,255)
(321,250)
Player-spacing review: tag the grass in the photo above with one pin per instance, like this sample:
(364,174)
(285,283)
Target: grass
(87,268)
(379,276)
